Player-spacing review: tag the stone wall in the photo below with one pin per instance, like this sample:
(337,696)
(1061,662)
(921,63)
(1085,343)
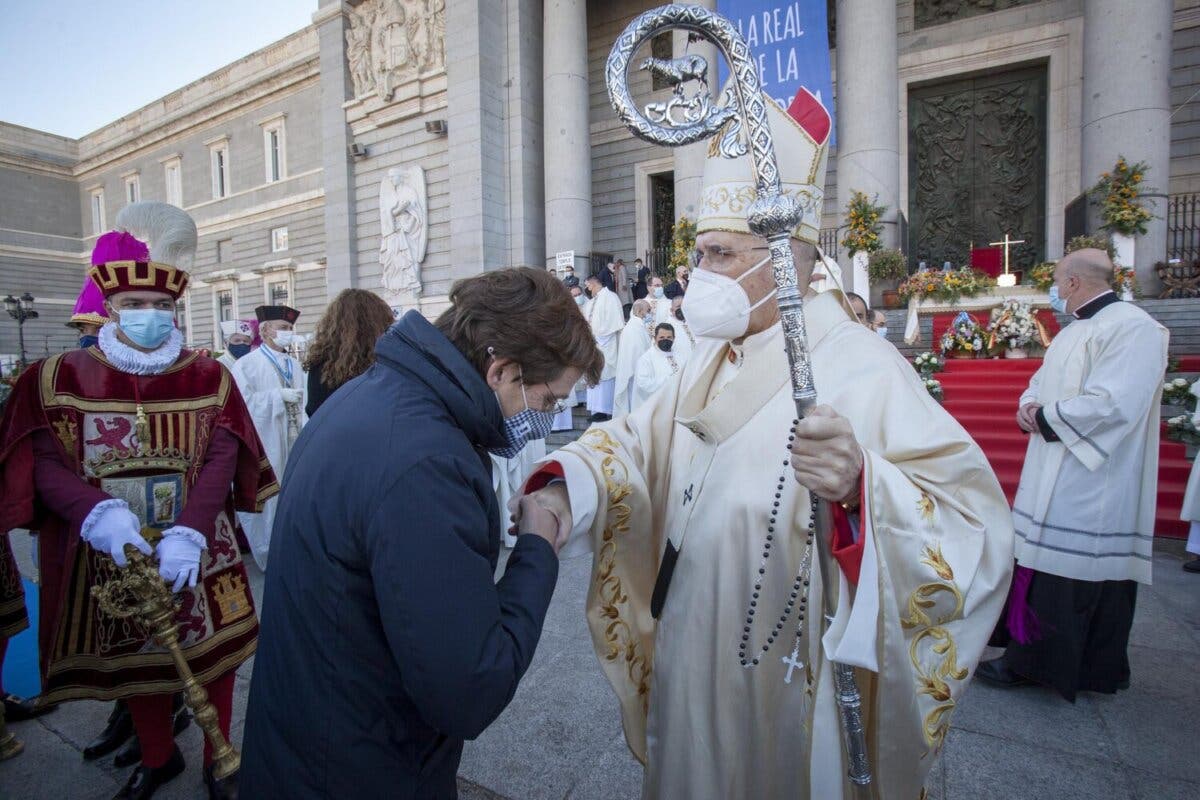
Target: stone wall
(1185,102)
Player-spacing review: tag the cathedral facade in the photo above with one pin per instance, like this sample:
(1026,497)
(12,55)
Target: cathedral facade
(399,145)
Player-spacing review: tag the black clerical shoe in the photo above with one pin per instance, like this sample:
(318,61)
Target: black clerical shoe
(997,673)
(144,781)
(221,789)
(115,733)
(1192,566)
(131,753)
(18,709)
(598,417)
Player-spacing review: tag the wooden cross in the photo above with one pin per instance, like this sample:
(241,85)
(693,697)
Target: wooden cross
(793,661)
(1007,244)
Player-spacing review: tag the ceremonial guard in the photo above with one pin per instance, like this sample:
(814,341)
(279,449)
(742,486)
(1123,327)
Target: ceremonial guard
(274,385)
(139,442)
(89,315)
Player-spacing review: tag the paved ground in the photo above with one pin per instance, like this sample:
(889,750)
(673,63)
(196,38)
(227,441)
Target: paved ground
(560,739)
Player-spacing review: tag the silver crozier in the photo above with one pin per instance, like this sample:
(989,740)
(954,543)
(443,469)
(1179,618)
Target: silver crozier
(773,215)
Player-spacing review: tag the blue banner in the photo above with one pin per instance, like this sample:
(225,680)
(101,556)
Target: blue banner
(790,44)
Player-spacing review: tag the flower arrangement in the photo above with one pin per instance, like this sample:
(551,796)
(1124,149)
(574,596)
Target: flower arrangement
(1178,392)
(1012,324)
(946,286)
(683,244)
(927,364)
(1182,429)
(1042,275)
(862,224)
(887,265)
(1124,280)
(964,336)
(1098,242)
(934,387)
(1117,193)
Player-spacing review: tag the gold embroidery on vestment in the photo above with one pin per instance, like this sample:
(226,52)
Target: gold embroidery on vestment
(617,634)
(933,680)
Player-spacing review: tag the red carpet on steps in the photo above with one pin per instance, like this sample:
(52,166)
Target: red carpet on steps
(982,395)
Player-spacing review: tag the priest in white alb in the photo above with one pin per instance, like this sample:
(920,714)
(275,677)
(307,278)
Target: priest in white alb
(634,341)
(658,364)
(606,317)
(274,386)
(239,337)
(705,605)
(1085,507)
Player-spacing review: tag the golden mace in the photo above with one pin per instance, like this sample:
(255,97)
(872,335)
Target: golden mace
(138,591)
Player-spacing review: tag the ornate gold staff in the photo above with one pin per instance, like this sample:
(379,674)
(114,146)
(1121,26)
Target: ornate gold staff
(772,215)
(138,591)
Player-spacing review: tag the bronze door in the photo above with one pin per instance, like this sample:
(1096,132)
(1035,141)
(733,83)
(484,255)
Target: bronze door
(977,166)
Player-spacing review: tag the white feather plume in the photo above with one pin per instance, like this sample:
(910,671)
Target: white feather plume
(169,232)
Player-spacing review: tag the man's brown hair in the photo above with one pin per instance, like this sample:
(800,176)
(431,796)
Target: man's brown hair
(523,314)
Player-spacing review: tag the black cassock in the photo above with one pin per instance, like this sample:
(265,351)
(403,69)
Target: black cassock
(1083,635)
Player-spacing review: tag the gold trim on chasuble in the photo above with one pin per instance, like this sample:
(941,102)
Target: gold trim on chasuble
(933,679)
(618,636)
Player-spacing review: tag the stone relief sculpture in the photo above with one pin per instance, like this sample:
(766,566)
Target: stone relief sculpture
(391,41)
(404,230)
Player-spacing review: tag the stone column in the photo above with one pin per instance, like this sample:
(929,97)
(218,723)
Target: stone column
(868,113)
(475,72)
(567,140)
(689,161)
(1126,106)
(341,246)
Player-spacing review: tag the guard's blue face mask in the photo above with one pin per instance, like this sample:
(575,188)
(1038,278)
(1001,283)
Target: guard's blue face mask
(90,340)
(147,327)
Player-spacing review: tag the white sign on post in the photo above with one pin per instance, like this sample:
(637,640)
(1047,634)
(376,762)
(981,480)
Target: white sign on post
(564,259)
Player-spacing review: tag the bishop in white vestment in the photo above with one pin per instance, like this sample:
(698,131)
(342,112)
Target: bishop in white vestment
(239,336)
(274,386)
(606,317)
(1084,511)
(634,341)
(728,693)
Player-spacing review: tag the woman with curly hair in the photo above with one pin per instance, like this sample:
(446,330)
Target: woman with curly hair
(344,345)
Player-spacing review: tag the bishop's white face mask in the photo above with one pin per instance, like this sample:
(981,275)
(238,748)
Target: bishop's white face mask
(717,306)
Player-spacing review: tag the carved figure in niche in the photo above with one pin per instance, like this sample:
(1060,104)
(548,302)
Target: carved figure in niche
(358,52)
(417,29)
(404,229)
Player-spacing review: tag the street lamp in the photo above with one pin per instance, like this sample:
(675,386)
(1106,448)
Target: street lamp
(20,310)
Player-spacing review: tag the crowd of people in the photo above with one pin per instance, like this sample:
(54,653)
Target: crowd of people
(375,481)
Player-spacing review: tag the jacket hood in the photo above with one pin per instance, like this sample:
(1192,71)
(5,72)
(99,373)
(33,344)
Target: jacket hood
(415,346)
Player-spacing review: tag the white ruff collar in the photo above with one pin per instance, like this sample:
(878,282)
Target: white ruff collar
(135,362)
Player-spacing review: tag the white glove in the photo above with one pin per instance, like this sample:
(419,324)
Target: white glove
(110,526)
(290,395)
(179,556)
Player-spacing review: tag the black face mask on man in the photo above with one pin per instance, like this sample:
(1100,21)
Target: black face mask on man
(666,344)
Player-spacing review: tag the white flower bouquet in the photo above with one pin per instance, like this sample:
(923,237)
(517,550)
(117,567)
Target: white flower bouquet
(1013,325)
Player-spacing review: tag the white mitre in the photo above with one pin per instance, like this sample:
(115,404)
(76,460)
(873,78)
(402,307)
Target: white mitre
(801,136)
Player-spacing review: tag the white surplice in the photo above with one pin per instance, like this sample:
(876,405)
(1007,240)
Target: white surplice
(654,369)
(606,318)
(261,382)
(1085,505)
(702,463)
(634,341)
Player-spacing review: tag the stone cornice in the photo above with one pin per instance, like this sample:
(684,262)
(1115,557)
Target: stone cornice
(328,12)
(210,114)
